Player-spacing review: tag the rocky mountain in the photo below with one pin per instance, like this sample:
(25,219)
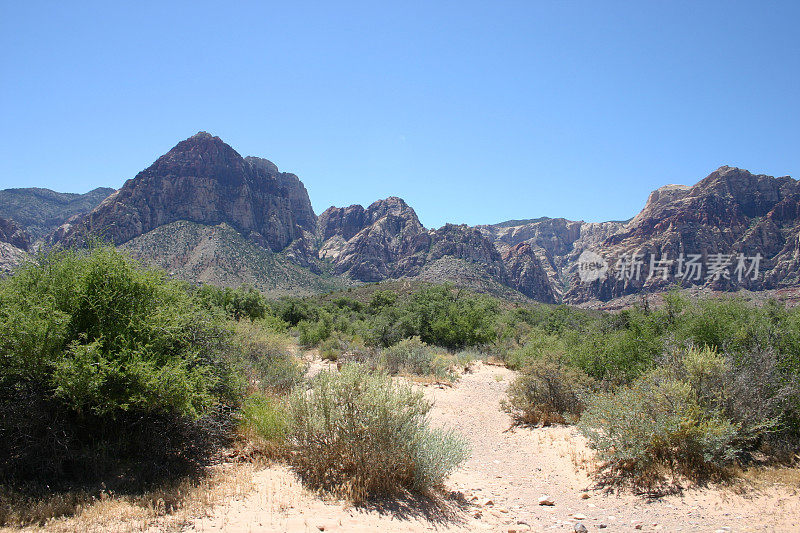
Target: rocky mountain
(387,241)
(40,211)
(724,224)
(14,245)
(205,213)
(556,242)
(732,230)
(202,180)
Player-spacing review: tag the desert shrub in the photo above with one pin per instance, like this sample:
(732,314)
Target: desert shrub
(241,302)
(539,345)
(332,348)
(547,392)
(381,299)
(267,358)
(654,428)
(264,421)
(614,357)
(444,316)
(412,356)
(340,345)
(359,434)
(312,332)
(105,365)
(750,389)
(463,359)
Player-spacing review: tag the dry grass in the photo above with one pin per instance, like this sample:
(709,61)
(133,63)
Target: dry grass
(764,476)
(166,509)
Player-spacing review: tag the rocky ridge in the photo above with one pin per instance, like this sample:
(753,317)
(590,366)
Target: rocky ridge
(40,211)
(202,180)
(387,241)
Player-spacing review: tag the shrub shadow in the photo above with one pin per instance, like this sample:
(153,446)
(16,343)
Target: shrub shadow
(440,508)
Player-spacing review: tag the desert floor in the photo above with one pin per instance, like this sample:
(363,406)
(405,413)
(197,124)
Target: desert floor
(499,488)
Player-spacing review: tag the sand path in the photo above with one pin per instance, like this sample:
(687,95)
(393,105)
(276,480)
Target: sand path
(498,488)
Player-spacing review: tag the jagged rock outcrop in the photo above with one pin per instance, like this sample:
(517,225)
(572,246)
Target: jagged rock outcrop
(13,234)
(14,245)
(526,271)
(387,241)
(555,242)
(202,180)
(728,213)
(375,243)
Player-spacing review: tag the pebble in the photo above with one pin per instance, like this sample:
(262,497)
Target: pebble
(585,496)
(545,500)
(577,516)
(637,526)
(602,526)
(580,528)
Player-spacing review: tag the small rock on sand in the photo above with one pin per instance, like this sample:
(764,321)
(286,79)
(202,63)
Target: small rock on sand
(546,500)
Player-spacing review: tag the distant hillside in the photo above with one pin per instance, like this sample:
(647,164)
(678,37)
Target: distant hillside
(222,256)
(40,211)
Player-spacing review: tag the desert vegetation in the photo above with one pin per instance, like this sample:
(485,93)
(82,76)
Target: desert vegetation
(116,378)
(686,391)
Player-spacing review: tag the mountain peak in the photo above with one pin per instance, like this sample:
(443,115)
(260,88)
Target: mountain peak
(202,135)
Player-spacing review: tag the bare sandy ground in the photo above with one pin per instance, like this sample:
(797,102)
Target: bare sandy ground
(499,487)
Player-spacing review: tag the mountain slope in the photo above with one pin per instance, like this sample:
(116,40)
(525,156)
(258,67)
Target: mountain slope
(202,180)
(730,214)
(40,211)
(14,245)
(222,256)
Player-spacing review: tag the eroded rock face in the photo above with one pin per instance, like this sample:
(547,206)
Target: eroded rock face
(387,241)
(14,235)
(40,211)
(730,212)
(527,274)
(202,180)
(14,245)
(555,242)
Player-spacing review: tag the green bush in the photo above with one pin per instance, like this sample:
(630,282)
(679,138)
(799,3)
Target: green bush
(654,429)
(360,434)
(267,358)
(452,318)
(106,365)
(412,356)
(264,421)
(311,333)
(547,393)
(539,345)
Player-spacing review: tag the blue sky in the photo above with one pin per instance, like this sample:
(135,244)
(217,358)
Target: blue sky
(472,112)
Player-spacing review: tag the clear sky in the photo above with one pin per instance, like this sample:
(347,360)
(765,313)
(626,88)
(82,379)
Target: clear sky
(473,112)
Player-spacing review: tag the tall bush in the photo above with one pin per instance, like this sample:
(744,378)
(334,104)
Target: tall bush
(359,434)
(102,363)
